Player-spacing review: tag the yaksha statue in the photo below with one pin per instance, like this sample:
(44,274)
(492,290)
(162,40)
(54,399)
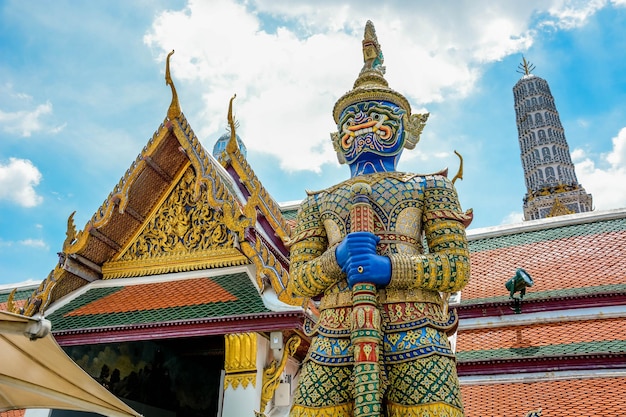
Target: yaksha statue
(380,346)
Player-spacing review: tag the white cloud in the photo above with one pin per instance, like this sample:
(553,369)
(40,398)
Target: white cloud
(18,180)
(20,116)
(604,179)
(570,14)
(24,122)
(289,72)
(513,217)
(34,243)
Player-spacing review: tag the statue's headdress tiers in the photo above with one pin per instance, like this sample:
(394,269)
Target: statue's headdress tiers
(371,83)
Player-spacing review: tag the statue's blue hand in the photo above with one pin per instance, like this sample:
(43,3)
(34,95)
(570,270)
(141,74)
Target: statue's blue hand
(368,267)
(354,244)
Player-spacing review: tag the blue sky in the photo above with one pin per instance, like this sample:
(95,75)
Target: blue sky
(82,89)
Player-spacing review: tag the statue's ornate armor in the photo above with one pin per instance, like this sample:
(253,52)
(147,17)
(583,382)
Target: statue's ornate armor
(419,374)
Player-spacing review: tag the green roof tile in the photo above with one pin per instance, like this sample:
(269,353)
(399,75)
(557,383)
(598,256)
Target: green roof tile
(564,232)
(289,214)
(19,295)
(582,348)
(546,295)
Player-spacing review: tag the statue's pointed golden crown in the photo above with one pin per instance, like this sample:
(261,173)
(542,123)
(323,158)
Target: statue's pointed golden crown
(371,83)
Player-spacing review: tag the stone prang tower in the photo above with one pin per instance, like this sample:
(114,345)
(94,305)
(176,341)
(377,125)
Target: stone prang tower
(551,185)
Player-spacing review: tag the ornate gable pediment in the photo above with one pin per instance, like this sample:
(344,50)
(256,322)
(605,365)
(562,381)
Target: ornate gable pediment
(184,233)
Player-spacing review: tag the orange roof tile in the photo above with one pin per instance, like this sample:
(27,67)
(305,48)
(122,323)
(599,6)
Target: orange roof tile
(13,413)
(16,303)
(157,295)
(573,262)
(563,398)
(542,334)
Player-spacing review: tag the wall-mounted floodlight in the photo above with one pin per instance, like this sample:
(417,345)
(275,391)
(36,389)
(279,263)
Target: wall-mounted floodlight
(518,283)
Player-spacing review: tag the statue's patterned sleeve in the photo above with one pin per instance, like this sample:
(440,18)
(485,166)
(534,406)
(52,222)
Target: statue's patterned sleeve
(313,266)
(446,266)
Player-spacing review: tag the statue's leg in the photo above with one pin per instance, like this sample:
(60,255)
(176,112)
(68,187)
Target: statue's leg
(323,391)
(426,386)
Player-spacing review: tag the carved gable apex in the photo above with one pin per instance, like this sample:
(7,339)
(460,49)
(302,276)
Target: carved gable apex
(559,209)
(184,233)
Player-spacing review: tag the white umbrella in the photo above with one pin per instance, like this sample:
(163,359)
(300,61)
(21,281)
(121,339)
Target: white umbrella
(36,373)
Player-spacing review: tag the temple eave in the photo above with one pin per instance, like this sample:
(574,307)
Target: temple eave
(261,322)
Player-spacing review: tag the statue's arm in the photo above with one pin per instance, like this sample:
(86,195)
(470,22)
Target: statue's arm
(446,267)
(313,266)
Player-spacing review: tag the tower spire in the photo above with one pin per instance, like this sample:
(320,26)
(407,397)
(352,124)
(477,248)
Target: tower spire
(525,68)
(552,188)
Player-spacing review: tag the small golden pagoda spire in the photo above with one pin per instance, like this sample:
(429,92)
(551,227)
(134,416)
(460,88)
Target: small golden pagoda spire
(174,110)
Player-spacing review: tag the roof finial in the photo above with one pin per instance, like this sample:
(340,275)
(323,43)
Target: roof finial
(174,110)
(525,67)
(232,126)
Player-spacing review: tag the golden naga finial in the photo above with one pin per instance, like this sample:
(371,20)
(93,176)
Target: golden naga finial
(70,233)
(525,67)
(11,307)
(174,110)
(232,126)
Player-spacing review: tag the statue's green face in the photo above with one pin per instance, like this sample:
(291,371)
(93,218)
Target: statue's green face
(371,131)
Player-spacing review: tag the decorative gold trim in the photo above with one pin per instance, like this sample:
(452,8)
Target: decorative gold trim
(259,198)
(180,235)
(40,298)
(559,209)
(175,262)
(272,373)
(267,266)
(150,216)
(117,197)
(240,359)
(239,379)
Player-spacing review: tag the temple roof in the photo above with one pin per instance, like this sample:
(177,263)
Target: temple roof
(563,345)
(577,256)
(566,352)
(180,306)
(176,209)
(558,398)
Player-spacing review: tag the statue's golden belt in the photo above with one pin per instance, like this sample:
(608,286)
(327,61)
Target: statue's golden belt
(398,238)
(343,299)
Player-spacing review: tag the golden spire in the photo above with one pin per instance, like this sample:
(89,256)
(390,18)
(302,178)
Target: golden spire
(371,83)
(372,54)
(525,67)
(174,110)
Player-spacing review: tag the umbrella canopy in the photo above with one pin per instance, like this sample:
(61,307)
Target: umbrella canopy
(36,373)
